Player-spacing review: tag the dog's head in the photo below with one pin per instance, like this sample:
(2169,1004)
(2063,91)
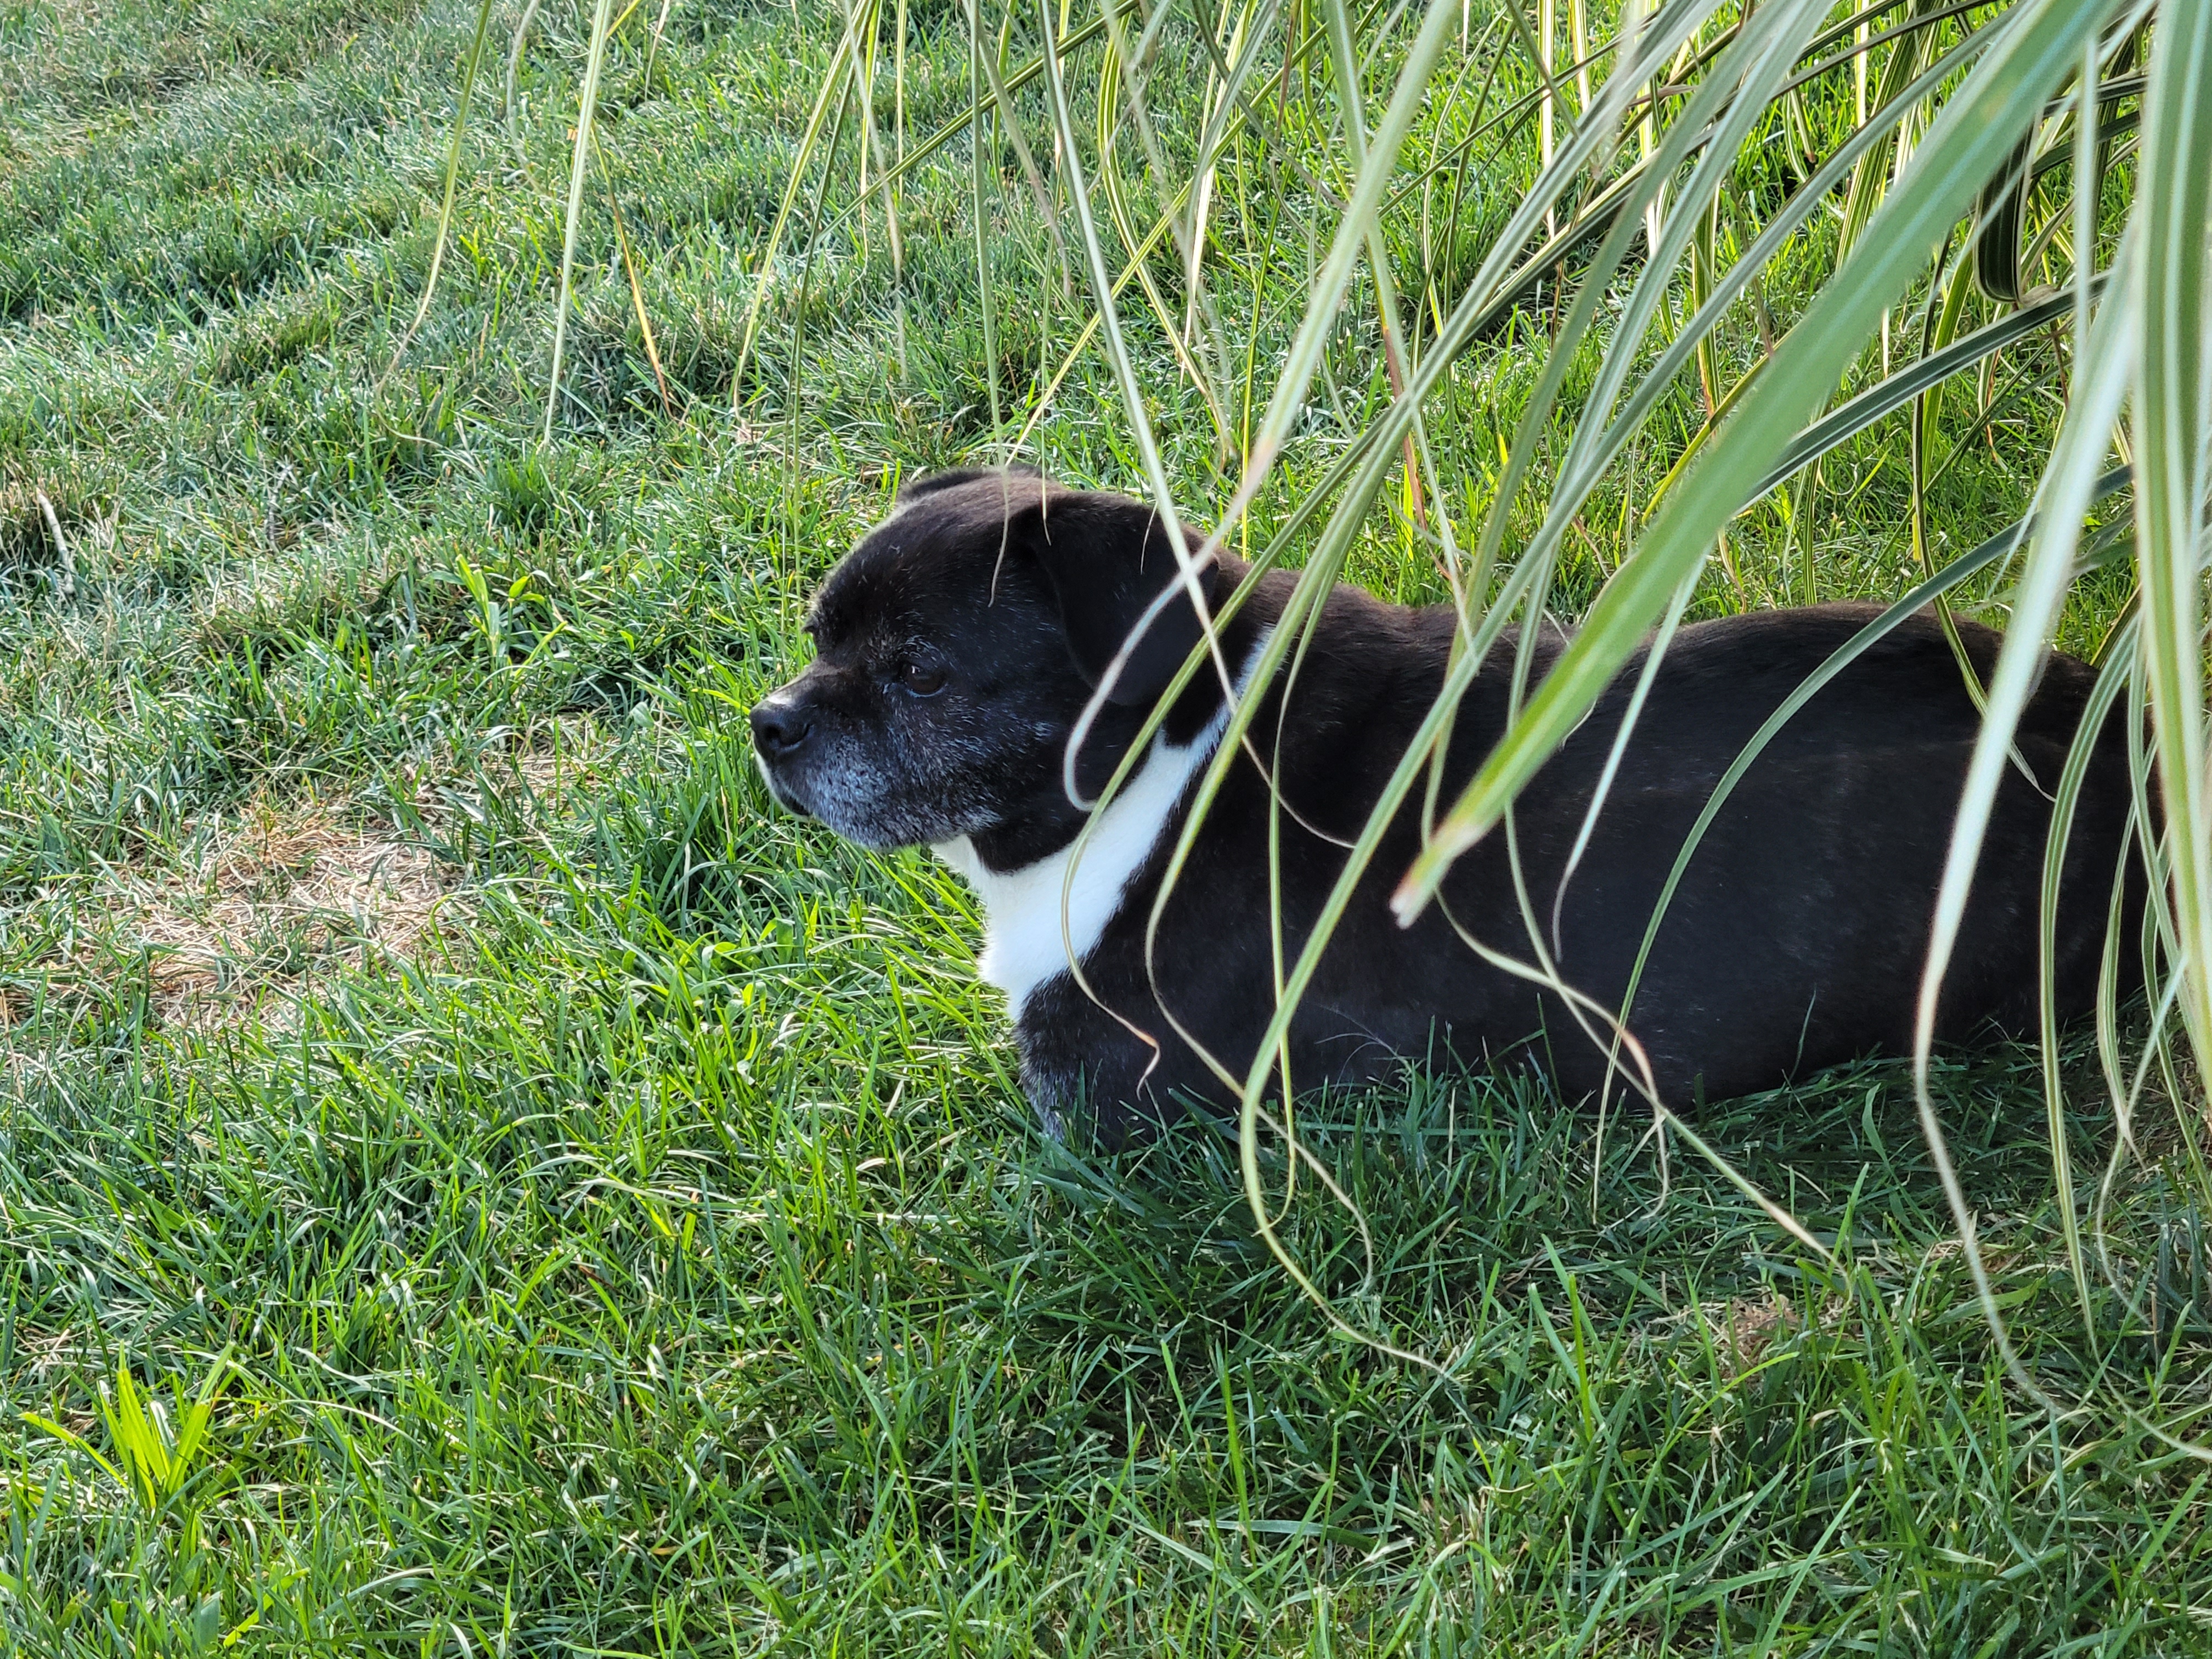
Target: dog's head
(955,649)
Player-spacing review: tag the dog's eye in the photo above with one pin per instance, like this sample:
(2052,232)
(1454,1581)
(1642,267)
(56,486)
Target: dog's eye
(921,679)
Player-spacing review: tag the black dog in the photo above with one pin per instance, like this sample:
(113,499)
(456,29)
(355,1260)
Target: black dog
(959,643)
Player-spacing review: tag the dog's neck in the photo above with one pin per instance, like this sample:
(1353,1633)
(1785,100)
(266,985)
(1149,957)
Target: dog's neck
(1049,887)
(1049,826)
(1048,821)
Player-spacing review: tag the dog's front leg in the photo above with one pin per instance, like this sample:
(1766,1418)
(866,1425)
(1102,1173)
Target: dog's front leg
(1105,1078)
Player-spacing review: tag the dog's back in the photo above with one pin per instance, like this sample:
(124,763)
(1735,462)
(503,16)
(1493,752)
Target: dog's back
(1796,937)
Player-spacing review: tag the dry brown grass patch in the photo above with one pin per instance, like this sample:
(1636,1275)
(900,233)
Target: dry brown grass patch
(1753,1326)
(568,755)
(264,906)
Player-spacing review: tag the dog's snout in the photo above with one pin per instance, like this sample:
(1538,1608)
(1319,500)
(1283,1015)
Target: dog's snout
(780,726)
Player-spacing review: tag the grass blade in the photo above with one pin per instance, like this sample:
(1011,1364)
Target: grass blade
(453,178)
(2104,372)
(587,101)
(1970,136)
(829,100)
(2172,418)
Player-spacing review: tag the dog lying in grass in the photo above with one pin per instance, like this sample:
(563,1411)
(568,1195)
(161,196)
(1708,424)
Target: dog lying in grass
(959,643)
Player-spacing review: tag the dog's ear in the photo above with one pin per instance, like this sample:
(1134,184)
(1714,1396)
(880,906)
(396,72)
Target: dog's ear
(1108,558)
(915,488)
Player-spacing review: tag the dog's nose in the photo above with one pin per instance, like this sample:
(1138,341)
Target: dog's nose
(779,727)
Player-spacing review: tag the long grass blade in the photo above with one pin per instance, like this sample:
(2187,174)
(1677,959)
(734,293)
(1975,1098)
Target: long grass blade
(1897,390)
(2174,412)
(1349,241)
(1970,136)
(587,101)
(2112,680)
(830,101)
(2104,371)
(452,180)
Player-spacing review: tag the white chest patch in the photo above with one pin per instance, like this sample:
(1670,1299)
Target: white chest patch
(1028,935)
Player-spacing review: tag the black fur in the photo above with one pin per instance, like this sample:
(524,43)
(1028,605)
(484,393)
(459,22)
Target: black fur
(1795,940)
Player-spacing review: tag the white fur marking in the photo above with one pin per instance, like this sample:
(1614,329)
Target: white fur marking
(1023,943)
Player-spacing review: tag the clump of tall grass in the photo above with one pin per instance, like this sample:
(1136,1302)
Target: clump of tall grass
(1741,237)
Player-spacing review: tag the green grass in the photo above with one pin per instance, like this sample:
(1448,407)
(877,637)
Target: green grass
(603,1211)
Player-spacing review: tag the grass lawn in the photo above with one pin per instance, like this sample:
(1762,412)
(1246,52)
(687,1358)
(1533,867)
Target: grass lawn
(474,1181)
